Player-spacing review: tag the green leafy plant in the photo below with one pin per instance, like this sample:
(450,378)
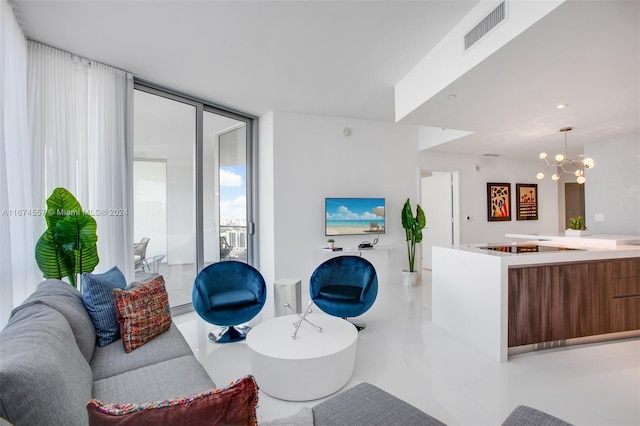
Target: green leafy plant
(331,240)
(413,228)
(68,247)
(576,223)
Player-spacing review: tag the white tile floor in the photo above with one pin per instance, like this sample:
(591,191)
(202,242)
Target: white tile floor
(402,352)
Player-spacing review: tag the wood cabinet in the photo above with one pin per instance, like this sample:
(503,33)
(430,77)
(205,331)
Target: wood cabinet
(565,301)
(625,307)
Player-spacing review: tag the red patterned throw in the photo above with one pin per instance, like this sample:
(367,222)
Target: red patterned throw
(143,313)
(233,405)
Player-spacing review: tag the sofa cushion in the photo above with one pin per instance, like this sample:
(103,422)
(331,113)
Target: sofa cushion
(67,300)
(112,360)
(303,417)
(145,280)
(143,313)
(165,380)
(44,378)
(233,405)
(365,404)
(527,416)
(232,298)
(98,299)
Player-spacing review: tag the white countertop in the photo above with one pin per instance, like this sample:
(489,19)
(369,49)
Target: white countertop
(586,252)
(605,240)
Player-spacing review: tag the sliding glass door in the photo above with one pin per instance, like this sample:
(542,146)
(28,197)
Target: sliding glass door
(224,188)
(192,195)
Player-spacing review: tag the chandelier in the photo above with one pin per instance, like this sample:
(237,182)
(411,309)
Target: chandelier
(566,165)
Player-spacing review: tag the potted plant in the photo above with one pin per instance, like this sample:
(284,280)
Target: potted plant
(576,227)
(413,229)
(331,242)
(68,247)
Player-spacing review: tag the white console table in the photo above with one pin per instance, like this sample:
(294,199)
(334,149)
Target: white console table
(379,256)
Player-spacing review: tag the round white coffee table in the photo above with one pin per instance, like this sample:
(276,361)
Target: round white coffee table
(311,366)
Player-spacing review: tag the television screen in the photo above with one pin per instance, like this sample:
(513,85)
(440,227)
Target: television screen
(354,216)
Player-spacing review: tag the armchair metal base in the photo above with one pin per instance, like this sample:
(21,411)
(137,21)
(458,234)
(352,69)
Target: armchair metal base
(229,334)
(358,325)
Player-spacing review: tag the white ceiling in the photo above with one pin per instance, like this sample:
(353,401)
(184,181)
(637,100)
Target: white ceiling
(343,58)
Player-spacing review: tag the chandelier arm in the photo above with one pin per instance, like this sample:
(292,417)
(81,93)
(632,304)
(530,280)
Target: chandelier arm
(561,166)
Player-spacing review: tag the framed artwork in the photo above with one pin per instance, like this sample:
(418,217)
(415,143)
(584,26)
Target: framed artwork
(527,201)
(498,202)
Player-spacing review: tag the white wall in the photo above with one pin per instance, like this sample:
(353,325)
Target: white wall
(613,186)
(473,194)
(305,158)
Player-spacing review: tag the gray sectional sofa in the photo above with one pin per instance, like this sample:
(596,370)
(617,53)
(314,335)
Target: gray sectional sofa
(50,367)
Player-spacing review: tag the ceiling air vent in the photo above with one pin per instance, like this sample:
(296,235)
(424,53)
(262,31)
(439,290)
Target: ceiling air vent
(487,24)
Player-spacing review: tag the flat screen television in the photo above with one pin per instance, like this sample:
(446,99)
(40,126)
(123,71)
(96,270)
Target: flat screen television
(353,216)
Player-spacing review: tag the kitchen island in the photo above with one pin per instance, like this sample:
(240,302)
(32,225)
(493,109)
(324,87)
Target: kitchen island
(508,298)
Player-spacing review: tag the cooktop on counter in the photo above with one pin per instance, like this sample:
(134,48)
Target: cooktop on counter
(525,248)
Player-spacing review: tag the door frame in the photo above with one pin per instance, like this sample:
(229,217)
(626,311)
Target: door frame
(455,203)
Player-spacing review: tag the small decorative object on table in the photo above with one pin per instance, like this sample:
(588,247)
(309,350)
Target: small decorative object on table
(331,242)
(302,317)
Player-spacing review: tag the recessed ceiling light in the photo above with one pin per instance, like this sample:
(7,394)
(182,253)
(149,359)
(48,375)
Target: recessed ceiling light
(561,106)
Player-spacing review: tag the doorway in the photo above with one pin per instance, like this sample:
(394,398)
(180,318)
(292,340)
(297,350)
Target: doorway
(573,202)
(439,195)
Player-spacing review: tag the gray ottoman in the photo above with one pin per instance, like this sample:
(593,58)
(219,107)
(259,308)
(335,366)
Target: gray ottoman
(527,416)
(366,404)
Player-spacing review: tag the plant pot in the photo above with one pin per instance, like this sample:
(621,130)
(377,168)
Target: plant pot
(576,232)
(331,245)
(410,279)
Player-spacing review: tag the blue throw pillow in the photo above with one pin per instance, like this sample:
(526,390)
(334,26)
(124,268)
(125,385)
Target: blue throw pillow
(98,299)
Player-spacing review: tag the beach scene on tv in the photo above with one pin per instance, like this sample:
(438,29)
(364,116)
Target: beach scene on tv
(354,216)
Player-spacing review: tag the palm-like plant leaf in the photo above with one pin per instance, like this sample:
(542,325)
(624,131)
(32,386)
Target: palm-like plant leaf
(68,246)
(420,222)
(52,260)
(78,234)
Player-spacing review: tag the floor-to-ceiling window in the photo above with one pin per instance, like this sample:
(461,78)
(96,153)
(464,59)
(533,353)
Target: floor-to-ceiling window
(192,187)
(224,188)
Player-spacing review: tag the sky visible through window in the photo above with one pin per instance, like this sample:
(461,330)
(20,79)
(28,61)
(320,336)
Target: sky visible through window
(233,190)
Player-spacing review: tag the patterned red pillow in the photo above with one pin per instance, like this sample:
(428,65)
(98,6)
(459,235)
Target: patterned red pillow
(143,312)
(234,405)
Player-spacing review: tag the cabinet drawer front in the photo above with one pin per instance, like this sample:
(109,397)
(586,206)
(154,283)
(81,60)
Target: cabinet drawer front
(626,287)
(626,314)
(627,268)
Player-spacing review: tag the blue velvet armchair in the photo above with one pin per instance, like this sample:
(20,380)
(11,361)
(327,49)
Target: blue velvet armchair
(344,286)
(228,294)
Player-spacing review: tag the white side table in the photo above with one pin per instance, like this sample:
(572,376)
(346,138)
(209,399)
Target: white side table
(287,290)
(309,367)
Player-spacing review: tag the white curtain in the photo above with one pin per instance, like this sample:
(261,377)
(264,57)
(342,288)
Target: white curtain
(64,121)
(79,116)
(19,229)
